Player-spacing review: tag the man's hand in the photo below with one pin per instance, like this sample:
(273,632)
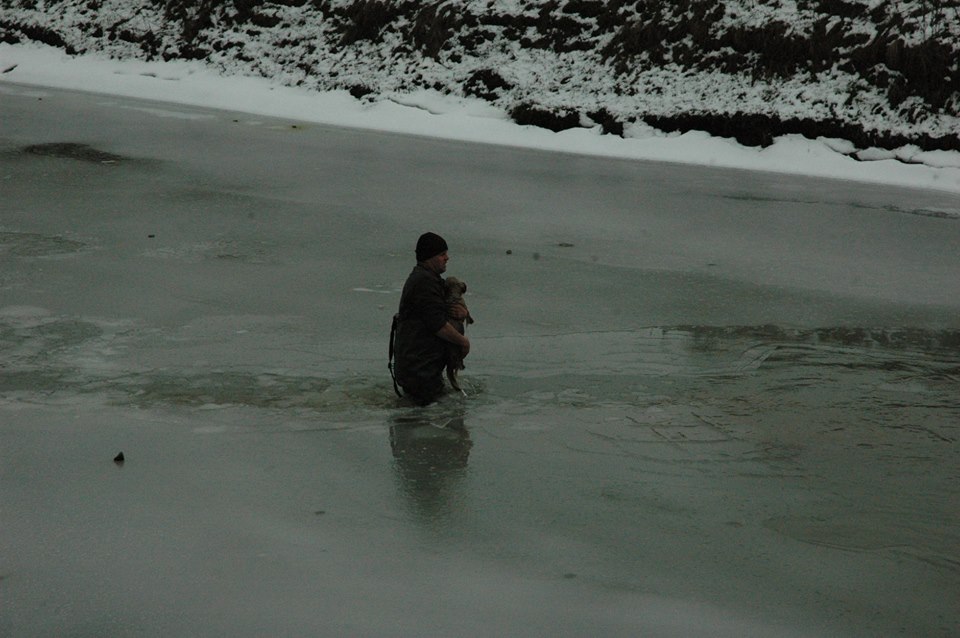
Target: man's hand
(458,311)
(451,334)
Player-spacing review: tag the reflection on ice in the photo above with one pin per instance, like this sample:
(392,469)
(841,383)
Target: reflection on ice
(431,447)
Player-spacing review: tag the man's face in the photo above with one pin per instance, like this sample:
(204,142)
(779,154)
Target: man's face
(438,263)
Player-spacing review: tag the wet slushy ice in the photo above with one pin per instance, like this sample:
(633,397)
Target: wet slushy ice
(807,471)
(699,402)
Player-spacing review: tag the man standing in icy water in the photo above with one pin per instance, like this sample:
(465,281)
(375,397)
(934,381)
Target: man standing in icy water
(423,329)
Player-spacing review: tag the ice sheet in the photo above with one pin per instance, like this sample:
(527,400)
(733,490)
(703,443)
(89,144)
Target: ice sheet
(701,402)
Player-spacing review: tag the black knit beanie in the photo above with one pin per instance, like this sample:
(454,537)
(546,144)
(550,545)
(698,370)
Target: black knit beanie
(430,245)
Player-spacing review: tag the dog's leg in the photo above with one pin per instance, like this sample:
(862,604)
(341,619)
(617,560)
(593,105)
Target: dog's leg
(452,377)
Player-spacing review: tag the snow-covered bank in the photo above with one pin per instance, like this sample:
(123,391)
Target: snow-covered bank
(433,114)
(874,73)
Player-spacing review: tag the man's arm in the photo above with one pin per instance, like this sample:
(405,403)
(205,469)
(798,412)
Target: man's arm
(451,334)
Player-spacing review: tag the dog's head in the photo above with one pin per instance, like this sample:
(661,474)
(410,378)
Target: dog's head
(455,286)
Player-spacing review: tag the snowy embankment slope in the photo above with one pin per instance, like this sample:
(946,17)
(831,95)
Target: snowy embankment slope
(592,75)
(471,120)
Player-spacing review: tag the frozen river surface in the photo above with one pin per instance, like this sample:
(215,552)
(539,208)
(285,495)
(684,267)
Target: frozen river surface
(700,402)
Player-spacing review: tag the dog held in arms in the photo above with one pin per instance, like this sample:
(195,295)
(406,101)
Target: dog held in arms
(454,296)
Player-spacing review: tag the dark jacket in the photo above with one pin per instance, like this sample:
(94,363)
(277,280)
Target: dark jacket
(420,353)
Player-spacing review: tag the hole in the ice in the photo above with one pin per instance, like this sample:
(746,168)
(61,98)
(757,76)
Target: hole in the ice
(72,150)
